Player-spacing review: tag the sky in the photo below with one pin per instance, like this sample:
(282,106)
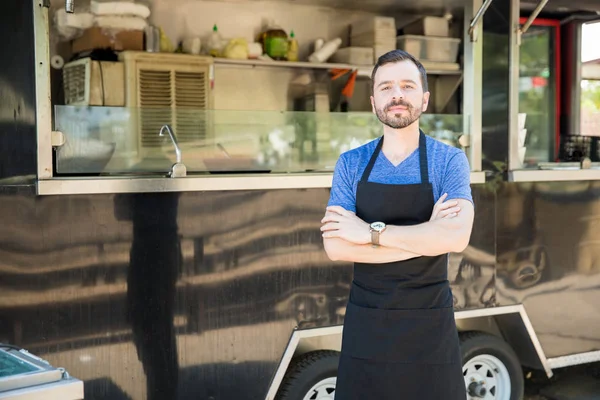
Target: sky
(589,48)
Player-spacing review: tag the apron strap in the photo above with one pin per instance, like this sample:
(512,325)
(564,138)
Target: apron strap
(423,158)
(367,173)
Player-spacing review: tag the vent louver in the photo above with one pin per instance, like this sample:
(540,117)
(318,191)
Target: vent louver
(74,83)
(172,94)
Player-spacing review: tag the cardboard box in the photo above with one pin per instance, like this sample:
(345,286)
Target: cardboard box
(97,38)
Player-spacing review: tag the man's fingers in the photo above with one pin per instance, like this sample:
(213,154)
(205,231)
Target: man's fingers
(449,216)
(331,234)
(339,210)
(441,199)
(448,204)
(330,218)
(330,227)
(453,210)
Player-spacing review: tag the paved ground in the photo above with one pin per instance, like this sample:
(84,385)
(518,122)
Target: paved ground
(576,383)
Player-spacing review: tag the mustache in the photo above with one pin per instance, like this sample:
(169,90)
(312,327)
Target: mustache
(400,103)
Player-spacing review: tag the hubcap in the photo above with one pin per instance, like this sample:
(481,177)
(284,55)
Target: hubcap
(322,390)
(486,377)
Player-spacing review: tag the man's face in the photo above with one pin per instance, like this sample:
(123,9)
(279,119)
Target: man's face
(398,99)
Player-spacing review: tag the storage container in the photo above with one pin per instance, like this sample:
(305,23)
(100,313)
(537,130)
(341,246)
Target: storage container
(354,56)
(373,24)
(429,48)
(370,38)
(428,26)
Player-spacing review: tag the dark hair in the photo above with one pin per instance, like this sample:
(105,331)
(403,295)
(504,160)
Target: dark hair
(395,56)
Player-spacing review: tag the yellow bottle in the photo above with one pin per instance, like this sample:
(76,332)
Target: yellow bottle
(292,54)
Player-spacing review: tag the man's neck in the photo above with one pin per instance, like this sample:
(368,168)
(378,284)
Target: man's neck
(400,143)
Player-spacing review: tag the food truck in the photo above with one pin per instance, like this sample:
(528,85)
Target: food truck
(165,166)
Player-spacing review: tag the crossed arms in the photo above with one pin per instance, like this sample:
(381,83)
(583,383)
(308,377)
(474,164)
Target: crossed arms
(347,238)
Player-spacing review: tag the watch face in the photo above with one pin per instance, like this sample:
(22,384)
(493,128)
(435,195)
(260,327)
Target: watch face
(378,226)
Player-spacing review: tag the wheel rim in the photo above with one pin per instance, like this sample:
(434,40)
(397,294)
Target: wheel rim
(486,377)
(322,390)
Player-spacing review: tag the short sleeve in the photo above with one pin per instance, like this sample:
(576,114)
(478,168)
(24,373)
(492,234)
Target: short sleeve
(457,179)
(342,188)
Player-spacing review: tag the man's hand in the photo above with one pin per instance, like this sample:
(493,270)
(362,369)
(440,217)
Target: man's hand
(445,210)
(344,224)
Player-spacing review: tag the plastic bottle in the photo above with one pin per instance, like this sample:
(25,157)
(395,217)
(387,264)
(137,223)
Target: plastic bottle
(215,43)
(276,42)
(325,51)
(292,54)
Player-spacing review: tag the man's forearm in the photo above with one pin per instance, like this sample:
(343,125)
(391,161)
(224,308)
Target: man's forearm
(430,238)
(341,250)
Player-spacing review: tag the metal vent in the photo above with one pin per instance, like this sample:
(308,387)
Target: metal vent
(190,100)
(74,83)
(169,96)
(155,104)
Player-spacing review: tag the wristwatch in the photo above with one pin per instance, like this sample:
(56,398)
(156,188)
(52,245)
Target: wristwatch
(377,229)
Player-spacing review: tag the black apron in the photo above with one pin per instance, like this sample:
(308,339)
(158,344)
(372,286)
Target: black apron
(400,340)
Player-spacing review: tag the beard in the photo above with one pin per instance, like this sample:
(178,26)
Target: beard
(398,121)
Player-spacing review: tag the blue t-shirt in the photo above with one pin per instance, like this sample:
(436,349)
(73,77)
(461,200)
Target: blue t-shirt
(449,172)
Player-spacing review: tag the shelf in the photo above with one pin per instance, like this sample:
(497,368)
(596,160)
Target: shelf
(145,184)
(432,68)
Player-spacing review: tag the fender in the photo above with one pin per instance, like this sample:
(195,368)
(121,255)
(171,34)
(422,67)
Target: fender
(509,322)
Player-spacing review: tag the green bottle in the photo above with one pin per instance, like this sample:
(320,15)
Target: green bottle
(276,42)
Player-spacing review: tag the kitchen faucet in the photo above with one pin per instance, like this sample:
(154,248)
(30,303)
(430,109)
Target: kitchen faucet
(178,170)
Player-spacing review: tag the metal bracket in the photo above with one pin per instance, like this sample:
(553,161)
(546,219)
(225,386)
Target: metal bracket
(478,15)
(58,139)
(523,29)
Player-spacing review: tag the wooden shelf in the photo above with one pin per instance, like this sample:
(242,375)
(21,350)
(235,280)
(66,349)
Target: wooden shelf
(432,68)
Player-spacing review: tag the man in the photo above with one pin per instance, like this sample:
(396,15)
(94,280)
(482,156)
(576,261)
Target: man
(389,215)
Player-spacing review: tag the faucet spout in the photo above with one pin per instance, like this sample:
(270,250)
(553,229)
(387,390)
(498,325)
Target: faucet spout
(70,6)
(173,140)
(178,170)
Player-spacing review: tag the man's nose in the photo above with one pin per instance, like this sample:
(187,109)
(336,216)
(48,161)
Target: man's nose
(397,92)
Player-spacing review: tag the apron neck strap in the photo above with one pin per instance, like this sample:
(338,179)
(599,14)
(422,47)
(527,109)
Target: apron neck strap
(367,172)
(422,159)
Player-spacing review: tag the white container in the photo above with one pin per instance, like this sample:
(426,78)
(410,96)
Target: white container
(522,119)
(373,24)
(354,56)
(428,26)
(326,51)
(430,48)
(522,136)
(522,151)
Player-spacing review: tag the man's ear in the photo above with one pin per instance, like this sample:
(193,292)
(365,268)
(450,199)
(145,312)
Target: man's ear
(425,101)
(373,105)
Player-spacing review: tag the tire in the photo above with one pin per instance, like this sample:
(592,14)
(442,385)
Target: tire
(310,376)
(490,366)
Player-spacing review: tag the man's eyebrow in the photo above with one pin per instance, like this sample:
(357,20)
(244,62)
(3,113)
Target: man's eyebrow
(409,81)
(403,80)
(384,83)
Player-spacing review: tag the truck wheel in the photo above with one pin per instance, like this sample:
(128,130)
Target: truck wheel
(491,368)
(311,376)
